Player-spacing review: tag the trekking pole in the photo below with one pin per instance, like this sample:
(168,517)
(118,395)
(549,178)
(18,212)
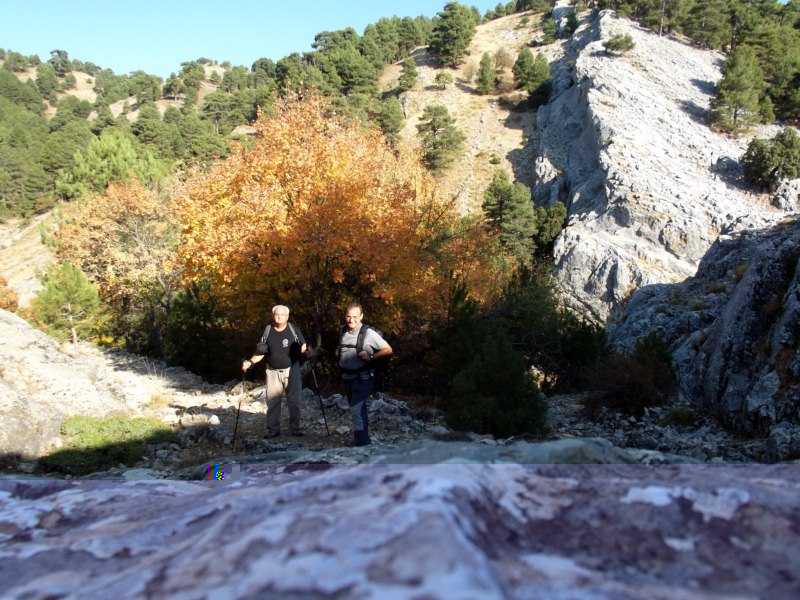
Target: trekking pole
(238,410)
(319,395)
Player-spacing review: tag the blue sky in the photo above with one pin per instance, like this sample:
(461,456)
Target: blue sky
(156,36)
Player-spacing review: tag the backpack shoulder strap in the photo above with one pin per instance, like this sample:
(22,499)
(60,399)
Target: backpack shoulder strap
(267,329)
(296,339)
(359,340)
(362,333)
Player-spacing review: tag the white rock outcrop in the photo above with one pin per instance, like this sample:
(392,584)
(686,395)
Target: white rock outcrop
(43,381)
(647,184)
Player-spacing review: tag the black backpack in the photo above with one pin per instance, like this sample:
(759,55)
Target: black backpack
(380,365)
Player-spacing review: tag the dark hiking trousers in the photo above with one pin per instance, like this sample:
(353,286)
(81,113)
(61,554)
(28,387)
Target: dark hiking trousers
(357,391)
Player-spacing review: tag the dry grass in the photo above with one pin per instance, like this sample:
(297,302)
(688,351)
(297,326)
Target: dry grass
(491,126)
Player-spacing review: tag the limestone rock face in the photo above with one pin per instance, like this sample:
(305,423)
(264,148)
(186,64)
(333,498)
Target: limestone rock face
(734,331)
(40,383)
(43,381)
(787,196)
(648,185)
(409,531)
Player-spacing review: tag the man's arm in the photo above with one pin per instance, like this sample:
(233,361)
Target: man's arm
(383,352)
(246,364)
(376,347)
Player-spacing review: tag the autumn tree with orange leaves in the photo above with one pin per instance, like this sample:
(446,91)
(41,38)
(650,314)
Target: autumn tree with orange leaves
(320,212)
(124,241)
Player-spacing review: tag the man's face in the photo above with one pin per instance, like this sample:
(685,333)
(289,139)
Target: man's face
(353,319)
(280,316)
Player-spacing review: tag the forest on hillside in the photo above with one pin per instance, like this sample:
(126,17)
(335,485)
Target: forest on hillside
(174,227)
(47,159)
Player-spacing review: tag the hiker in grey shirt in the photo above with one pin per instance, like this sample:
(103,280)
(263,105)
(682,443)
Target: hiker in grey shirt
(358,375)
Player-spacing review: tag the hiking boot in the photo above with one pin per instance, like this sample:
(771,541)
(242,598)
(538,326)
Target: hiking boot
(272,434)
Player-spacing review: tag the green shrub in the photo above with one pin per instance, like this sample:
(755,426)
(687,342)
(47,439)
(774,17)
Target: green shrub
(494,393)
(537,6)
(92,444)
(768,162)
(553,340)
(443,79)
(572,24)
(619,43)
(549,31)
(485,382)
(628,383)
(196,335)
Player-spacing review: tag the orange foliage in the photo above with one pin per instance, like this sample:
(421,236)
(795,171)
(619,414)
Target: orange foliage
(124,241)
(9,300)
(320,212)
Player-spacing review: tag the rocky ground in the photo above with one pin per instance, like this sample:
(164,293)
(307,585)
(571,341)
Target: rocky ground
(206,424)
(43,381)
(404,530)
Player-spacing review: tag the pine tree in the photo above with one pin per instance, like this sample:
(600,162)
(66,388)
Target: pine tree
(486,75)
(533,74)
(111,157)
(509,209)
(68,303)
(452,33)
(391,119)
(441,139)
(538,85)
(408,76)
(740,91)
(523,228)
(523,67)
(707,23)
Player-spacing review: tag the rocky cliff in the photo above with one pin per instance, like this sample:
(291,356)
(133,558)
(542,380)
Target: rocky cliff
(648,186)
(734,331)
(663,234)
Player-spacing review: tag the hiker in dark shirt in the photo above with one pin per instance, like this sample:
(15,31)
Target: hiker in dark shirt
(357,367)
(283,345)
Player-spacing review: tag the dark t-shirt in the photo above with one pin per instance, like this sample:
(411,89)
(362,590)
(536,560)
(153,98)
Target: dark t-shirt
(284,350)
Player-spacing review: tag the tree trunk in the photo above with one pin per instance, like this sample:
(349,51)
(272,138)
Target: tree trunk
(72,324)
(156,333)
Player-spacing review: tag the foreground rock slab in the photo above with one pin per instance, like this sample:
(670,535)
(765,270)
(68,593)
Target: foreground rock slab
(409,531)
